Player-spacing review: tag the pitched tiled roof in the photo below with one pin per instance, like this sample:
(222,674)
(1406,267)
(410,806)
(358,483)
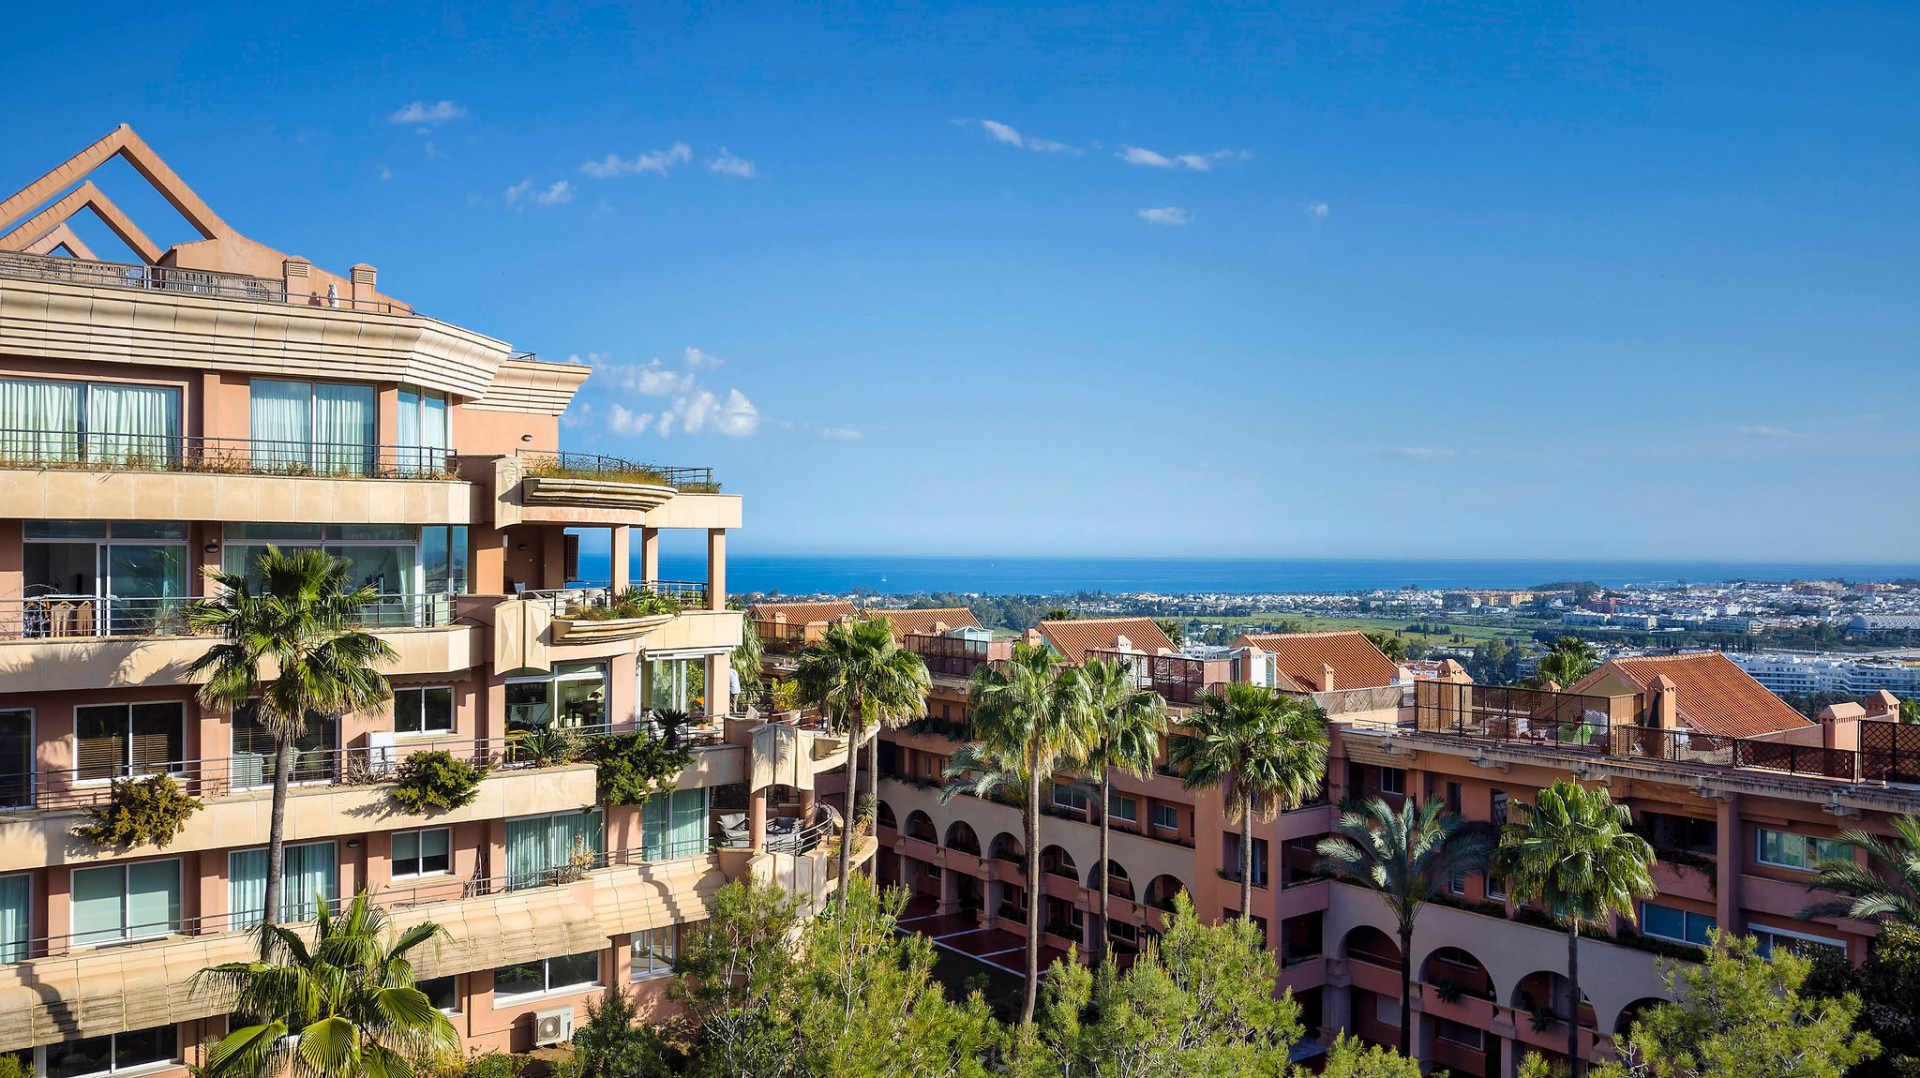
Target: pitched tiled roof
(802,613)
(1304,657)
(922,621)
(1074,638)
(1716,696)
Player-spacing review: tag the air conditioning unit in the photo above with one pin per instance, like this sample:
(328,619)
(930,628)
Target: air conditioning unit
(552,1027)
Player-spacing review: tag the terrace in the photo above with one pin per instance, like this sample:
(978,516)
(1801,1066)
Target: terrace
(238,286)
(58,616)
(594,468)
(1179,679)
(62,446)
(955,656)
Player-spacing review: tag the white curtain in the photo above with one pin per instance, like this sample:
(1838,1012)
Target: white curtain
(309,877)
(14,919)
(133,424)
(39,421)
(343,429)
(408,431)
(246,887)
(537,846)
(281,415)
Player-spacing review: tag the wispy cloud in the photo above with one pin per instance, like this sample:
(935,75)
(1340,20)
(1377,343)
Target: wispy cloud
(1167,215)
(696,359)
(420,112)
(560,191)
(728,164)
(1422,452)
(1195,162)
(840,434)
(655,161)
(677,399)
(1006,133)
(553,194)
(1317,210)
(1771,432)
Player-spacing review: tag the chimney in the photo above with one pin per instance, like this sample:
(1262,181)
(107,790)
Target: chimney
(1884,706)
(1326,677)
(1840,725)
(1664,708)
(363,277)
(297,273)
(940,628)
(1121,643)
(1035,640)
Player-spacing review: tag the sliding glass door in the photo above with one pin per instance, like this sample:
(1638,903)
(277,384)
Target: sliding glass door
(49,422)
(321,428)
(91,578)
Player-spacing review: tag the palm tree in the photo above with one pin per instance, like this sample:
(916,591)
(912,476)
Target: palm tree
(343,1007)
(1033,711)
(1574,853)
(302,623)
(1127,723)
(746,659)
(1266,752)
(854,673)
(1406,855)
(1568,659)
(1871,894)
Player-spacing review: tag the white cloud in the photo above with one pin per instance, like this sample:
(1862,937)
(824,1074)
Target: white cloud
(420,112)
(518,191)
(386,173)
(1167,215)
(1317,210)
(840,434)
(561,191)
(650,379)
(728,164)
(690,406)
(1197,162)
(1771,432)
(621,421)
(696,359)
(655,161)
(1000,132)
(552,195)
(736,417)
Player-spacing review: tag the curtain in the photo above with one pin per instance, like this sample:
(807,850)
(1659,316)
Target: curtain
(343,430)
(536,847)
(656,825)
(246,887)
(308,878)
(281,418)
(14,919)
(153,898)
(39,421)
(133,424)
(433,431)
(408,431)
(97,895)
(689,823)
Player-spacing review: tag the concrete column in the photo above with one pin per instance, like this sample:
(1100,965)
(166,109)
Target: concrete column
(1730,861)
(719,690)
(716,568)
(622,573)
(649,555)
(757,819)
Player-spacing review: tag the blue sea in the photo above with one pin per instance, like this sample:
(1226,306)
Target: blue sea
(900,574)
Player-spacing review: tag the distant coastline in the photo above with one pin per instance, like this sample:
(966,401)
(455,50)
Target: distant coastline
(906,575)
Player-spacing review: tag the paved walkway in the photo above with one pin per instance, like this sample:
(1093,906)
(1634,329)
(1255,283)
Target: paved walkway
(961,932)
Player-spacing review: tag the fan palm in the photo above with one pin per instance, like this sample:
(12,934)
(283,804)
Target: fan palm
(1568,659)
(1574,853)
(1886,888)
(1406,855)
(1265,752)
(344,1006)
(853,673)
(1030,710)
(746,659)
(301,624)
(1127,723)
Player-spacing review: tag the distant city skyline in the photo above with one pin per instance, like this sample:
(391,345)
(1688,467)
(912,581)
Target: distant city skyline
(1353,282)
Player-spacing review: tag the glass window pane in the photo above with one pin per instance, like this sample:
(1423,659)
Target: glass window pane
(436,853)
(520,980)
(343,429)
(406,711)
(144,1046)
(148,529)
(100,741)
(440,992)
(1698,925)
(16,759)
(153,898)
(280,416)
(98,896)
(406,853)
(437,709)
(158,742)
(39,421)
(1663,921)
(88,1055)
(457,560)
(15,918)
(529,705)
(133,425)
(246,887)
(572,970)
(386,533)
(306,533)
(66,529)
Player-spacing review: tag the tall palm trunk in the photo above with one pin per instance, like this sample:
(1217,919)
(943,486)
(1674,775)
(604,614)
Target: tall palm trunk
(853,802)
(873,780)
(1573,1000)
(1034,927)
(1246,860)
(1406,990)
(277,824)
(1106,864)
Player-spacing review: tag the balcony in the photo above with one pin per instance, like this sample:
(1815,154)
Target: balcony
(237,286)
(955,656)
(57,616)
(1179,679)
(595,614)
(141,452)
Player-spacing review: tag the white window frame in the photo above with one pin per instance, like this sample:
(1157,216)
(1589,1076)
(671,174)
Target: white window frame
(1073,790)
(418,859)
(453,717)
(1399,775)
(1760,844)
(1806,937)
(455,978)
(73,741)
(40,1057)
(654,969)
(546,979)
(1132,813)
(180,884)
(1174,809)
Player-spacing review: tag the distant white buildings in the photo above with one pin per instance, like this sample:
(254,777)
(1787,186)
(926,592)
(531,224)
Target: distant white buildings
(1808,674)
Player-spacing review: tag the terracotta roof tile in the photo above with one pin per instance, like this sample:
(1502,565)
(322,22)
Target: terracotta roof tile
(1075,638)
(802,613)
(1716,696)
(922,621)
(1304,657)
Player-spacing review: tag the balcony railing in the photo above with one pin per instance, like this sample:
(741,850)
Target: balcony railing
(1535,716)
(544,465)
(56,616)
(1177,678)
(103,451)
(174,279)
(589,599)
(955,656)
(780,637)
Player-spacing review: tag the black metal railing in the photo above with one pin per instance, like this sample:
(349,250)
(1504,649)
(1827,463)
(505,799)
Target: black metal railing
(174,279)
(1179,679)
(48,447)
(615,469)
(590,599)
(1501,713)
(58,616)
(780,637)
(955,656)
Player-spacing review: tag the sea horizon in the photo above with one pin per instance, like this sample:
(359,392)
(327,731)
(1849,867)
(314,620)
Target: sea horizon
(894,574)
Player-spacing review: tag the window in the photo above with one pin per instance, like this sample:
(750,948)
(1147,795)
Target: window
(309,875)
(1496,889)
(95,578)
(117,740)
(1459,1033)
(16,758)
(1771,939)
(16,917)
(312,427)
(1125,809)
(126,902)
(1230,854)
(548,849)
(575,694)
(1070,795)
(653,952)
(254,755)
(423,710)
(1457,880)
(422,853)
(673,823)
(1784,849)
(675,684)
(1672,832)
(1454,797)
(46,422)
(1499,813)
(442,992)
(422,430)
(1166,817)
(384,557)
(1668,922)
(112,1053)
(1393,780)
(567,972)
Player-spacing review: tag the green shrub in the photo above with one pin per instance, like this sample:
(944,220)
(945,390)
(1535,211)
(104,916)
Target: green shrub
(630,767)
(633,603)
(548,745)
(428,781)
(496,1065)
(152,809)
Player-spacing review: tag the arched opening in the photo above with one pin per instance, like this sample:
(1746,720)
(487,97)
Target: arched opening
(1115,879)
(1005,847)
(1160,892)
(1059,862)
(884,817)
(1454,973)
(1372,946)
(960,837)
(1630,1014)
(1542,997)
(920,826)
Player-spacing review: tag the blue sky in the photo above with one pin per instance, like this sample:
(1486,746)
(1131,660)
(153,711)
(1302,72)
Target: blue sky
(1547,280)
